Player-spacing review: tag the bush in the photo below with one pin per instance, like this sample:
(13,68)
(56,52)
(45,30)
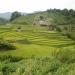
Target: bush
(70,36)
(10,58)
(7,46)
(4,57)
(58,29)
(15,59)
(8,68)
(66,55)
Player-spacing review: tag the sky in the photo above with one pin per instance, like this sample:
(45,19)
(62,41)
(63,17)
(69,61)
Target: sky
(30,6)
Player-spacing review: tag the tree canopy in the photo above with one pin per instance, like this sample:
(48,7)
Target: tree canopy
(15,15)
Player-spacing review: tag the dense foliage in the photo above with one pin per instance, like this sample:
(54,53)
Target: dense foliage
(62,63)
(68,14)
(5,45)
(55,14)
(15,15)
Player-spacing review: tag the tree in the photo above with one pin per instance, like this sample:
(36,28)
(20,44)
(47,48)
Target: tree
(72,12)
(15,15)
(41,17)
(65,12)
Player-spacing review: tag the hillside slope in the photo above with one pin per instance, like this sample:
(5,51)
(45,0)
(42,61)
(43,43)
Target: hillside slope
(57,17)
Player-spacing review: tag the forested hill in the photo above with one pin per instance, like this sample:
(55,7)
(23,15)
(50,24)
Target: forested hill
(58,16)
(3,21)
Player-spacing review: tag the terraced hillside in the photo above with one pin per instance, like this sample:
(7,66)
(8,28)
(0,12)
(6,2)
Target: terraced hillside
(26,49)
(38,52)
(29,19)
(58,17)
(30,42)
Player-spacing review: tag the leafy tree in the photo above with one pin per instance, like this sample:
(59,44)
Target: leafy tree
(15,15)
(65,12)
(41,17)
(72,12)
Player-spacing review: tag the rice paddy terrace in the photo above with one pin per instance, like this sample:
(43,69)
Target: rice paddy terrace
(30,42)
(38,52)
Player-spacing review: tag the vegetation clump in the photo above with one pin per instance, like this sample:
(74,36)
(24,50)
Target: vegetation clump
(66,55)
(4,45)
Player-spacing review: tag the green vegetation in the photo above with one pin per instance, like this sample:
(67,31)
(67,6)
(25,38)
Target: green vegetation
(38,52)
(15,15)
(3,21)
(64,16)
(26,49)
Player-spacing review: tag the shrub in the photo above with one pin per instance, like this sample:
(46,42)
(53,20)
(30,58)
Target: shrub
(63,70)
(15,59)
(69,35)
(66,55)
(4,57)
(5,70)
(8,68)
(10,58)
(58,29)
(7,46)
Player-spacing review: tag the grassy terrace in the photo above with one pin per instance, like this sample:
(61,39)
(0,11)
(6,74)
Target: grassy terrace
(33,42)
(38,52)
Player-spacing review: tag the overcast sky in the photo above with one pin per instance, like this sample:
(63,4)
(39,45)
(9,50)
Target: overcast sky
(34,5)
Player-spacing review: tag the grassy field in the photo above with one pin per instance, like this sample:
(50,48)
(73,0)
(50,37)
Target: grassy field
(38,52)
